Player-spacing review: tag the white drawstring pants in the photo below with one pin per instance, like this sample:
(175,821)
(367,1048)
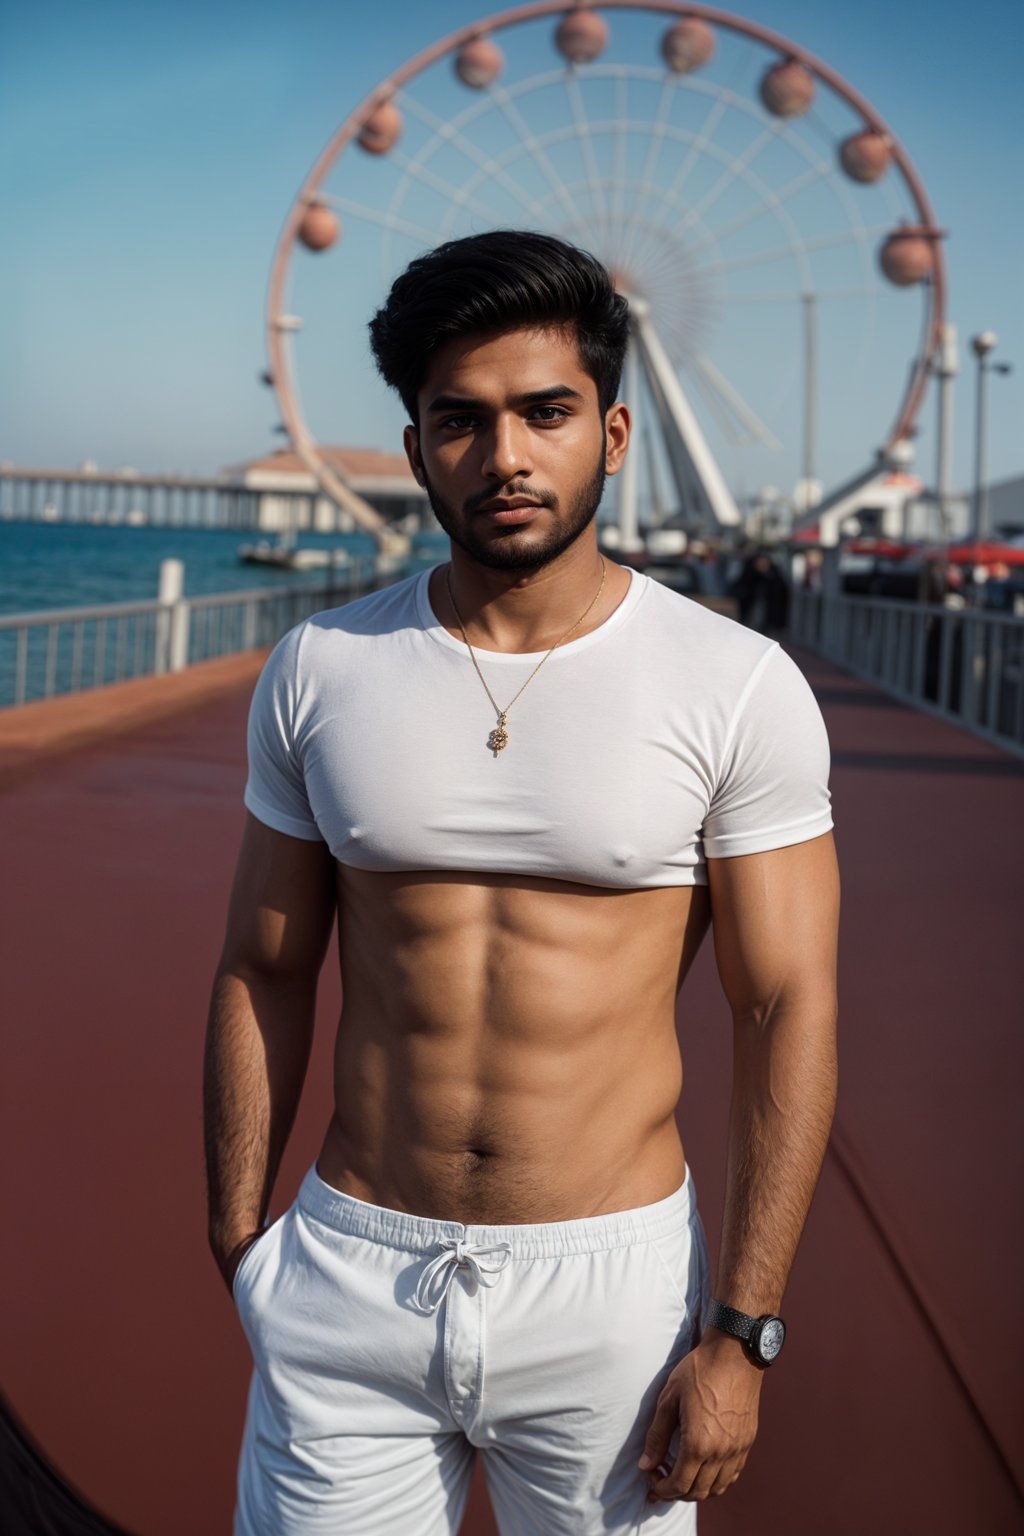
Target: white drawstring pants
(390,1349)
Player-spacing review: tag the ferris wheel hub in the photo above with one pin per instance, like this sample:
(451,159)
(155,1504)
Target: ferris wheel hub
(638,305)
(655,266)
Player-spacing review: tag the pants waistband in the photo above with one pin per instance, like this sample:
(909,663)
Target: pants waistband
(546,1239)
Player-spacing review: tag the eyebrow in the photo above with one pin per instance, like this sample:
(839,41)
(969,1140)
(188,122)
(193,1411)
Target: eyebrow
(532,397)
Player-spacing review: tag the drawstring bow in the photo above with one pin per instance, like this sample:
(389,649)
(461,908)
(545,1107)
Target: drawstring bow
(485,1261)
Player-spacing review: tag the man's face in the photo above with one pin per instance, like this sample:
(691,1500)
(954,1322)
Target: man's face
(512,447)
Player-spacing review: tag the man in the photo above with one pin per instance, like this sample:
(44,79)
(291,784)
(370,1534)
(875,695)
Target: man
(527,781)
(762,594)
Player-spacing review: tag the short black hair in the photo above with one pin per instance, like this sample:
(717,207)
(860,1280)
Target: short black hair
(484,285)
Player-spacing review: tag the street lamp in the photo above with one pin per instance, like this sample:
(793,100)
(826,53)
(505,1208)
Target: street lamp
(982,345)
(945,366)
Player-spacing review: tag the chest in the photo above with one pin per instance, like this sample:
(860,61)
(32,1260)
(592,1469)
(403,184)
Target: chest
(605,779)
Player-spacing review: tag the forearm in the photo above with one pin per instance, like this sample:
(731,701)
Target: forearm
(784,1090)
(775,920)
(257,1049)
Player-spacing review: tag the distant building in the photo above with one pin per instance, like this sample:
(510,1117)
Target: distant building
(287,495)
(1006,506)
(887,501)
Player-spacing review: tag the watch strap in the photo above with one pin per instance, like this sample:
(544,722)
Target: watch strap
(739,1324)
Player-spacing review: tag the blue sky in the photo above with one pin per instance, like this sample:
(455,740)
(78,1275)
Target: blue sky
(149,154)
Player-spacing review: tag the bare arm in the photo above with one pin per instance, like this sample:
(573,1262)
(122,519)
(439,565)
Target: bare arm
(775,926)
(775,918)
(261,1027)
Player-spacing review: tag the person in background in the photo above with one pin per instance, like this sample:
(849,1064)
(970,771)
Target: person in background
(762,594)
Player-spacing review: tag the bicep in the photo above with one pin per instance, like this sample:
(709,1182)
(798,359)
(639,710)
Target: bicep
(775,918)
(282,905)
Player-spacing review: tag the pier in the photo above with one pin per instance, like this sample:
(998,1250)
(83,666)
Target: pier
(160,501)
(273,494)
(897,1405)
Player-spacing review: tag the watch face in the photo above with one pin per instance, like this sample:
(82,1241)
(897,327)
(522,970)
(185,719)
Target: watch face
(771,1339)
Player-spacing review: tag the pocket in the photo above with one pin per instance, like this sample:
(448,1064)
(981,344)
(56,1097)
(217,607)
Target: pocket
(683,1257)
(243,1264)
(242,1272)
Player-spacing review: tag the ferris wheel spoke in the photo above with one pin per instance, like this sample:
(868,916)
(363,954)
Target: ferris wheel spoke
(725,419)
(536,150)
(791,296)
(702,368)
(656,138)
(621,126)
(767,204)
(459,196)
(661,262)
(382,217)
(450,135)
(732,173)
(586,140)
(818,243)
(653,236)
(701,141)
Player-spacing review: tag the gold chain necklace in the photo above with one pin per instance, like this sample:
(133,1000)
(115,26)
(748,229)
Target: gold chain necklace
(498,739)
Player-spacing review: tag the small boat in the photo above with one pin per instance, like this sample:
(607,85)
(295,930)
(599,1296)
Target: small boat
(289,557)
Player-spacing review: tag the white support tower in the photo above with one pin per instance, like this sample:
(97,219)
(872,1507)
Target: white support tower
(946,367)
(703,494)
(629,521)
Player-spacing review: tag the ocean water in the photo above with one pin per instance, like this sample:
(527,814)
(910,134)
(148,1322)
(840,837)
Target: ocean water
(72,566)
(69,565)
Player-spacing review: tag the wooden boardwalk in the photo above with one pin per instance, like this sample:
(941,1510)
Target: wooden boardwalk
(897,1407)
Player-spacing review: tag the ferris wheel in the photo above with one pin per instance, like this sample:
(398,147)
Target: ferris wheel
(778,250)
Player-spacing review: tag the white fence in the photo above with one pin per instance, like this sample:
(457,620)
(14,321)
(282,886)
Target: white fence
(70,649)
(963,664)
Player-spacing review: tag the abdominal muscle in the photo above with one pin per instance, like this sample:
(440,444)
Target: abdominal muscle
(507,1048)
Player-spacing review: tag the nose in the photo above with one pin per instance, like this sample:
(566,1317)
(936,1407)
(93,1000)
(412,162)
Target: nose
(508,453)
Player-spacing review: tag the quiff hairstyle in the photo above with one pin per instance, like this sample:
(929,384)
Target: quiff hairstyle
(485,285)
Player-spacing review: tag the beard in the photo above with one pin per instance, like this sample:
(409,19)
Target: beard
(513,549)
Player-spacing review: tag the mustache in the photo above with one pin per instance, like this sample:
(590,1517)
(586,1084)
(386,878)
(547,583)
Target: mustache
(513,488)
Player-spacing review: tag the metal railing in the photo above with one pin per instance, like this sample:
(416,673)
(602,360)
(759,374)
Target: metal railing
(963,664)
(66,650)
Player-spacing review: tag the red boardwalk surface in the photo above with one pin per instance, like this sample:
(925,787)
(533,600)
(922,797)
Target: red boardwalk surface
(896,1409)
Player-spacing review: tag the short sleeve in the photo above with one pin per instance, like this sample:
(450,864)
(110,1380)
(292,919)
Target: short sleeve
(275,792)
(772,788)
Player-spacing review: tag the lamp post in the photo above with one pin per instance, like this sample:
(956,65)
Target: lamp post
(982,345)
(945,367)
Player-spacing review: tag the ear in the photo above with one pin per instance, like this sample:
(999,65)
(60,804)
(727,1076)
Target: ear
(617,425)
(411,440)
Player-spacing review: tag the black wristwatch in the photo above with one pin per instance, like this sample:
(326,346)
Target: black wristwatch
(763,1336)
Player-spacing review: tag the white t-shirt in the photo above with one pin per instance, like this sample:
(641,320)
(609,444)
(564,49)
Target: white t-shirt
(666,736)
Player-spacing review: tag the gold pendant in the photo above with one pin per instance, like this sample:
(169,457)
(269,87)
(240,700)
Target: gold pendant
(498,739)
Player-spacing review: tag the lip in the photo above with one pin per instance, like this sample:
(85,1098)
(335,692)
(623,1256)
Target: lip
(516,509)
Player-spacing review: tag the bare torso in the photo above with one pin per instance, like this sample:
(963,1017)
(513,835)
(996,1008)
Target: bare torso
(507,1050)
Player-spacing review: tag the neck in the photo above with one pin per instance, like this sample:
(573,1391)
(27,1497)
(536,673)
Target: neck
(527,610)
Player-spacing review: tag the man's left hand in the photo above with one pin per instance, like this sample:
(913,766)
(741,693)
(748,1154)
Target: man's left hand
(711,1398)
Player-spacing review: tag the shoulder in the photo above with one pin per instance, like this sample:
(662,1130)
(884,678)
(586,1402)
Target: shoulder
(321,651)
(331,631)
(725,651)
(378,613)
